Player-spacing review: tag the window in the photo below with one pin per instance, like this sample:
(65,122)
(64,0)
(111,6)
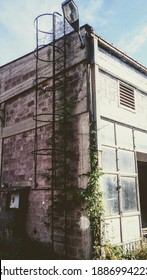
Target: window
(124,137)
(110,194)
(126,96)
(119,183)
(126,161)
(129,195)
(141,141)
(107,133)
(109,159)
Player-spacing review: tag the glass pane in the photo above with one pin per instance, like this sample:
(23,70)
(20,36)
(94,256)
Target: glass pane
(124,137)
(107,133)
(130,229)
(141,141)
(112,231)
(129,196)
(109,159)
(109,187)
(126,161)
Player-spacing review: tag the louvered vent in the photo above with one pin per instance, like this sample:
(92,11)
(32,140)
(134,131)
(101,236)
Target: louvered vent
(126,96)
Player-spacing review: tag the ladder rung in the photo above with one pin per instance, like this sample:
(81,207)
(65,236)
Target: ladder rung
(55,227)
(57,241)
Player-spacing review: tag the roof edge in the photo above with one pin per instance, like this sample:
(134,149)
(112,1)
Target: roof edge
(120,54)
(105,45)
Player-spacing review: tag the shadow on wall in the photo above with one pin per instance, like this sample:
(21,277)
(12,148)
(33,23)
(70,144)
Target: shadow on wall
(26,249)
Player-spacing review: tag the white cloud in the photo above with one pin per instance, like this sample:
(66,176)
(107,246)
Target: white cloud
(17,22)
(89,8)
(17,29)
(89,11)
(132,43)
(17,25)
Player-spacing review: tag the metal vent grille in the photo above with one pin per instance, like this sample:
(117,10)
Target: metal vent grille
(126,96)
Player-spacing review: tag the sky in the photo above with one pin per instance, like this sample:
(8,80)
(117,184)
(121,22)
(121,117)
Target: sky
(122,23)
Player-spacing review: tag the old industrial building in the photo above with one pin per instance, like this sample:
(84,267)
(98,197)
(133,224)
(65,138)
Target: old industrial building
(49,99)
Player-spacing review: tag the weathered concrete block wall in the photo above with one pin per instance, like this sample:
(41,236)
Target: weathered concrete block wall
(18,136)
(17,158)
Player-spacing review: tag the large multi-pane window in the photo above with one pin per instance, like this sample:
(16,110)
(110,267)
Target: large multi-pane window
(120,182)
(119,165)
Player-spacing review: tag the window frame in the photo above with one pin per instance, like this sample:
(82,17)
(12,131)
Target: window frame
(121,173)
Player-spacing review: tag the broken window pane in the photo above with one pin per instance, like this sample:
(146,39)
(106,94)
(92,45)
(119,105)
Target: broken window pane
(126,161)
(109,159)
(110,193)
(124,137)
(129,196)
(107,133)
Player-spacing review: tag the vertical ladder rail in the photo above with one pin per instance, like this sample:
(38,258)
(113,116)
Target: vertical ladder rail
(58,156)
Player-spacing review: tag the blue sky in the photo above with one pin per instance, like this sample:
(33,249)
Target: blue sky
(122,23)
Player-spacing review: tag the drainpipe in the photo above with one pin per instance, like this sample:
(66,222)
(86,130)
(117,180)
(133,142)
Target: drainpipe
(1,143)
(92,57)
(1,137)
(95,105)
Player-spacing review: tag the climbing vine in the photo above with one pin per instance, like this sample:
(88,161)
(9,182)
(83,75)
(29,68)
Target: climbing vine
(93,195)
(65,160)
(90,198)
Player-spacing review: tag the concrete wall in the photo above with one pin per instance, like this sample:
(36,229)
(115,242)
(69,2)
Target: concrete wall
(121,227)
(112,71)
(17,95)
(17,138)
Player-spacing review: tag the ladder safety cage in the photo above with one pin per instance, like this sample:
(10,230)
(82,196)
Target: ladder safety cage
(51,79)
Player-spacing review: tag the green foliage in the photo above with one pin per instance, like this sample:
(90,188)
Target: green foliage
(93,195)
(111,252)
(141,252)
(89,199)
(62,176)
